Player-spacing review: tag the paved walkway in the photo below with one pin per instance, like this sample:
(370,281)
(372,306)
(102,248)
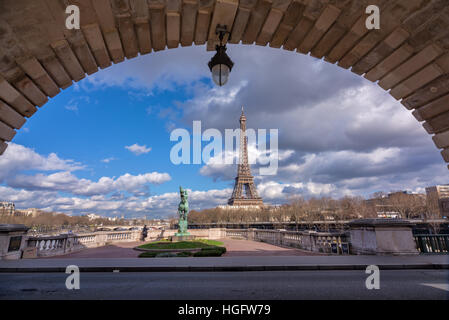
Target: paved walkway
(247,248)
(118,250)
(234,248)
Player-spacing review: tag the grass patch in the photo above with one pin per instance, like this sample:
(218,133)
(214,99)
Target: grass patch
(209,248)
(211,242)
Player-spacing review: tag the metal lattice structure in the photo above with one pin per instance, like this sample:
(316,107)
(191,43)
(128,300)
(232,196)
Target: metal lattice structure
(245,192)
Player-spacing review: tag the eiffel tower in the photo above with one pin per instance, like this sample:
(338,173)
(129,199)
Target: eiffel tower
(245,193)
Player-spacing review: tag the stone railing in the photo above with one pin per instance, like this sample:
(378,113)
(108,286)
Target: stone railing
(432,243)
(237,233)
(45,246)
(62,244)
(336,243)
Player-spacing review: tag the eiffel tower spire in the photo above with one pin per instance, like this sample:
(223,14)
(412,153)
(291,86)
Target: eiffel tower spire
(245,192)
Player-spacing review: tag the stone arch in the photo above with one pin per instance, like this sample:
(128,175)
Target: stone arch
(408,55)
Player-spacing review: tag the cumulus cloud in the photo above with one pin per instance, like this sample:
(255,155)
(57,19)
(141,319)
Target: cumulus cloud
(17,158)
(276,192)
(26,180)
(138,150)
(153,206)
(68,182)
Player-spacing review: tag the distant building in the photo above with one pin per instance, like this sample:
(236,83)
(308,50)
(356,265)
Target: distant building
(33,212)
(241,207)
(438,200)
(383,204)
(93,216)
(7,208)
(382,208)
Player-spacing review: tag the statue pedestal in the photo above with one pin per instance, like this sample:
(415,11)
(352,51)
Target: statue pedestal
(181,237)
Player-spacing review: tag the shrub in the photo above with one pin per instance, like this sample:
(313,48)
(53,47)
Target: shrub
(167,255)
(148,254)
(210,252)
(184,254)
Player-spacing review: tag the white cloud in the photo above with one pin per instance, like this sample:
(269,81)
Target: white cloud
(44,190)
(137,149)
(65,181)
(107,160)
(18,158)
(161,205)
(72,107)
(274,192)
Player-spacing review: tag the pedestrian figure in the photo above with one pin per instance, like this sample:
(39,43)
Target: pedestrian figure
(144,233)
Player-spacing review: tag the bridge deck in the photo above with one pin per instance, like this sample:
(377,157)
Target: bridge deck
(234,248)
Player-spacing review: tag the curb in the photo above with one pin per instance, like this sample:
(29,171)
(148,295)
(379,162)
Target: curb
(226,268)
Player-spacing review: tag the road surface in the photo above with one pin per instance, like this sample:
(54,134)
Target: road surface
(394,284)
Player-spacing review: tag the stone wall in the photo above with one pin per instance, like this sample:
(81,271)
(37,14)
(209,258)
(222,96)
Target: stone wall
(12,241)
(382,237)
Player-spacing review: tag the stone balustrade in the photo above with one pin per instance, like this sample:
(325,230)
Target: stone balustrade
(366,236)
(325,242)
(237,233)
(45,246)
(63,244)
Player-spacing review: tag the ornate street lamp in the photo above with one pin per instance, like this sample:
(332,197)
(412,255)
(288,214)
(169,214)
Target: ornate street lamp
(220,65)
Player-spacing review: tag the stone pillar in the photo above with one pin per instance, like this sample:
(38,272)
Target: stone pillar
(251,234)
(12,241)
(135,235)
(101,239)
(382,237)
(278,237)
(216,233)
(281,238)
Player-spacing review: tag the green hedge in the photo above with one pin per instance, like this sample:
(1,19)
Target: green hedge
(200,243)
(148,254)
(205,252)
(210,252)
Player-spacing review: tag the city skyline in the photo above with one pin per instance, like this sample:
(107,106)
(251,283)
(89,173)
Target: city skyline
(103,145)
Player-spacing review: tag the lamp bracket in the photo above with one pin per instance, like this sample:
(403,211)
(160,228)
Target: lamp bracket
(222,30)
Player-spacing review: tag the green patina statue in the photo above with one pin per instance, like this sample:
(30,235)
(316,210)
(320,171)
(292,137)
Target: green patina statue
(183,211)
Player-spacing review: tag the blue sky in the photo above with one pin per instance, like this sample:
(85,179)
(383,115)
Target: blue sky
(93,127)
(339,134)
